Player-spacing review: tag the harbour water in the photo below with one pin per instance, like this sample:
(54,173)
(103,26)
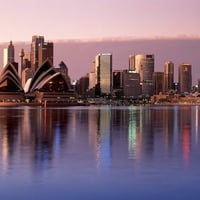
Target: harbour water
(100,152)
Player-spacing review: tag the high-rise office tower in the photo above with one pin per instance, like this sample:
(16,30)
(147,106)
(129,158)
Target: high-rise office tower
(117,79)
(34,56)
(168,76)
(144,65)
(131,63)
(40,51)
(131,84)
(158,80)
(103,68)
(45,51)
(82,85)
(93,77)
(9,54)
(185,78)
(92,80)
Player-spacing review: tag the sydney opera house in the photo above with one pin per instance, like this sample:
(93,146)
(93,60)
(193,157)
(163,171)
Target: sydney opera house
(36,81)
(46,86)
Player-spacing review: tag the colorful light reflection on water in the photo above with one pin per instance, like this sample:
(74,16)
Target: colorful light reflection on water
(100,152)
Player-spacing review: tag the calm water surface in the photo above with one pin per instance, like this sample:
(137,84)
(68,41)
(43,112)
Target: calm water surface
(146,152)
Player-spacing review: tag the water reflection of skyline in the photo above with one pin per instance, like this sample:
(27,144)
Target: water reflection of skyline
(40,138)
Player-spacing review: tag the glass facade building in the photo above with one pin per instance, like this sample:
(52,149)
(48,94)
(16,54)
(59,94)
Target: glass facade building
(168,76)
(144,65)
(103,66)
(185,78)
(131,63)
(34,55)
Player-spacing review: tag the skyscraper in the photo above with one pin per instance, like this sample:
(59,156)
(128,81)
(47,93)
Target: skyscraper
(9,54)
(158,80)
(117,79)
(45,51)
(34,56)
(144,65)
(40,51)
(168,76)
(131,63)
(92,80)
(131,84)
(185,78)
(103,68)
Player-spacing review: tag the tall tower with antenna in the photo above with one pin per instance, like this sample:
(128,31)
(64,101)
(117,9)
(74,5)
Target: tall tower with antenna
(21,55)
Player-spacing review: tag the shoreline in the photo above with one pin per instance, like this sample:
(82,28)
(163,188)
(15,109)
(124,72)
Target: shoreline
(47,104)
(16,104)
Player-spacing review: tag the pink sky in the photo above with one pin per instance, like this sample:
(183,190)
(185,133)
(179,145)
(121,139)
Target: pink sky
(96,20)
(76,19)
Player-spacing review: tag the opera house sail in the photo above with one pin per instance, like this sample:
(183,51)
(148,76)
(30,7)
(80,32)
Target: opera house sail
(10,85)
(46,85)
(49,85)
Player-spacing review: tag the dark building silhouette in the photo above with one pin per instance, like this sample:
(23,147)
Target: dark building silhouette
(34,55)
(118,83)
(131,84)
(10,84)
(45,51)
(158,82)
(117,79)
(82,85)
(63,69)
(185,78)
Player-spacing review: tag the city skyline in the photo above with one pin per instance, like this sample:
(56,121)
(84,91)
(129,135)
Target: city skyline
(80,119)
(178,51)
(67,19)
(44,83)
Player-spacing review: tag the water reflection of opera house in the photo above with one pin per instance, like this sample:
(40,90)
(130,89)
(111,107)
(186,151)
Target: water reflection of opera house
(46,84)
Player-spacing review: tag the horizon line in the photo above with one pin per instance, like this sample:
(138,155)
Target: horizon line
(114,39)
